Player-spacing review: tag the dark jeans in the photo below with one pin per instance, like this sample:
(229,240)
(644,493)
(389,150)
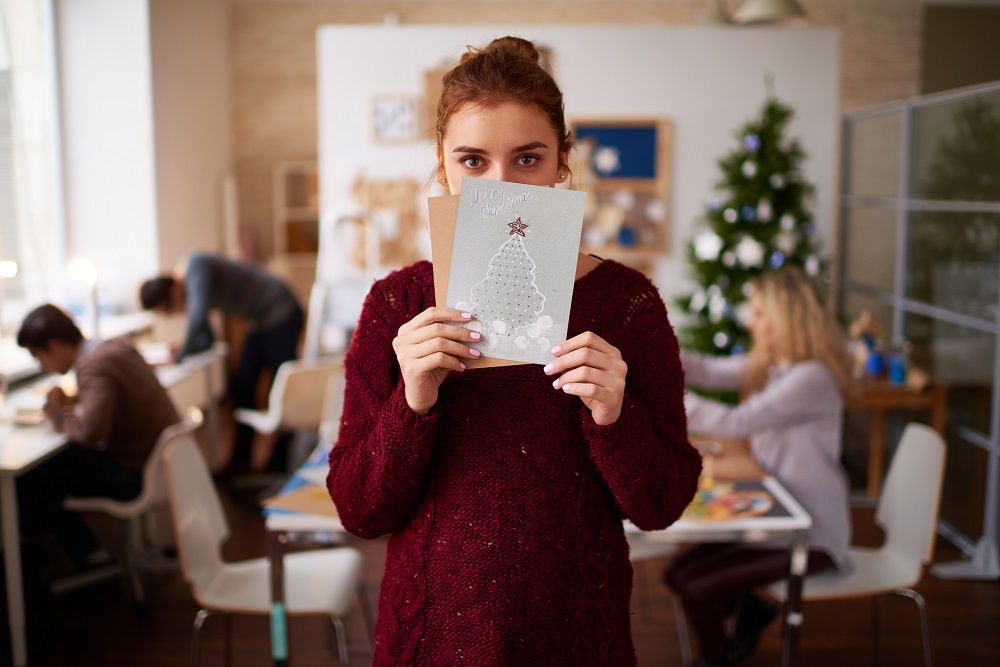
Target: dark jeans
(263,350)
(711,578)
(75,471)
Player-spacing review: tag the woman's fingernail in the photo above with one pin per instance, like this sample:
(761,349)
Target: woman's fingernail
(474,351)
(462,365)
(466,315)
(555,383)
(548,369)
(557,349)
(565,387)
(475,335)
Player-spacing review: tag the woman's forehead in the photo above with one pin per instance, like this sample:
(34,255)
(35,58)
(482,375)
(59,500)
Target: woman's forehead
(510,123)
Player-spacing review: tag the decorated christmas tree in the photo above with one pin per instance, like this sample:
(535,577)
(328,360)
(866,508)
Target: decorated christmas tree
(760,221)
(507,301)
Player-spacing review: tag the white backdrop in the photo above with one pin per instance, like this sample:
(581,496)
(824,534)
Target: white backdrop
(707,81)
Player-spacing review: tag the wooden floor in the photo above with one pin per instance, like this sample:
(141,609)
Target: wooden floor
(98,626)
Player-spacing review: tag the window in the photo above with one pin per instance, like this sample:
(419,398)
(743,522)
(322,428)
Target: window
(28,185)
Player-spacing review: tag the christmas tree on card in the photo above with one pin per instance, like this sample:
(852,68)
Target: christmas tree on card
(513,265)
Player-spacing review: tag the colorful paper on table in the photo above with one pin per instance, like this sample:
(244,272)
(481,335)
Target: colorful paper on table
(512,264)
(733,499)
(307,499)
(305,491)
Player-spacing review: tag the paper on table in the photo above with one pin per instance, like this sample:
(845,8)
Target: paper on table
(308,499)
(155,354)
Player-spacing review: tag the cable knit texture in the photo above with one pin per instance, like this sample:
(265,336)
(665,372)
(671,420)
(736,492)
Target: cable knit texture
(505,502)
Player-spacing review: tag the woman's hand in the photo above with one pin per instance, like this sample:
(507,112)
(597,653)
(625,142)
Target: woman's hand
(591,368)
(428,349)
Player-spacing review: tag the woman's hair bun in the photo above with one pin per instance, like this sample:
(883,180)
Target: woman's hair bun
(507,46)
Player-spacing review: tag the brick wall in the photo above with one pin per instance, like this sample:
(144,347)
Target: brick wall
(274,62)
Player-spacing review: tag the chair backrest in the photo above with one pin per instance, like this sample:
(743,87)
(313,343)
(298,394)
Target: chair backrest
(908,506)
(303,391)
(154,487)
(199,518)
(333,406)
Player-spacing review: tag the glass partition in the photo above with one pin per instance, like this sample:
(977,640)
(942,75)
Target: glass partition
(870,247)
(920,249)
(953,261)
(956,149)
(873,153)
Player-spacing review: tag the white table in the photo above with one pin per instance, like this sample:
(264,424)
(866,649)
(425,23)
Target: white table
(284,527)
(197,381)
(21,449)
(793,529)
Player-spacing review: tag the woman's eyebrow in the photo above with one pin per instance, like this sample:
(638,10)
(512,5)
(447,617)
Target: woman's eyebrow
(518,149)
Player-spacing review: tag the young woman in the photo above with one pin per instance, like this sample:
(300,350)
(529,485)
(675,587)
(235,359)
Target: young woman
(504,489)
(794,380)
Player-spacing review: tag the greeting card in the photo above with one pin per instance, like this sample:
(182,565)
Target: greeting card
(513,265)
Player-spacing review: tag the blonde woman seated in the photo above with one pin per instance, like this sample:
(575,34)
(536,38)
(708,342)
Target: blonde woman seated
(793,382)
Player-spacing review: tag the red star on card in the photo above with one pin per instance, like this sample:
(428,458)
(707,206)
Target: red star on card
(517,227)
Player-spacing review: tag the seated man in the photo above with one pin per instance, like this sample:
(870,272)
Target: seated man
(112,424)
(269,307)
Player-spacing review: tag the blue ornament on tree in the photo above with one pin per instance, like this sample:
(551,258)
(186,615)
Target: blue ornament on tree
(777,259)
(747,213)
(751,142)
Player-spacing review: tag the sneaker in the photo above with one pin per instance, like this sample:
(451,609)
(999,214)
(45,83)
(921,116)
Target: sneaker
(755,615)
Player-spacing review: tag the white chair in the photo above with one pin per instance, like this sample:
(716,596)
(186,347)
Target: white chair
(297,401)
(907,511)
(140,542)
(324,582)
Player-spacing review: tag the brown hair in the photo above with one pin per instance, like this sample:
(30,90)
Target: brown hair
(509,69)
(45,324)
(155,292)
(802,327)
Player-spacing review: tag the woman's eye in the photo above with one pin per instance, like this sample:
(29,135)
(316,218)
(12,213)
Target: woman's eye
(472,162)
(527,159)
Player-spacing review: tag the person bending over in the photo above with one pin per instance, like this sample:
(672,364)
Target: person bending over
(268,306)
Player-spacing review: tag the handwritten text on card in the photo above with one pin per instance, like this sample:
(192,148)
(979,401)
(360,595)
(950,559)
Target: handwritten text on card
(506,203)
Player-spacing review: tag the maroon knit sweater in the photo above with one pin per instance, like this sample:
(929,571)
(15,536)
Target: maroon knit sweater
(505,502)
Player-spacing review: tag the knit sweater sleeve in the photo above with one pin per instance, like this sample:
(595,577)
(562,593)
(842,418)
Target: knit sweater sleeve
(379,466)
(645,457)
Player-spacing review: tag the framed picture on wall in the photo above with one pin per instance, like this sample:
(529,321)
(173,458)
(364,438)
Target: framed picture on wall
(394,118)
(624,165)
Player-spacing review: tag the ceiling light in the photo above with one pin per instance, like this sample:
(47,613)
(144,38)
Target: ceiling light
(768,11)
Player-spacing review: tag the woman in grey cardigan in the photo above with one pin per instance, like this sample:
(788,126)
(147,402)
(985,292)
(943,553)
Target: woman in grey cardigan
(793,383)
